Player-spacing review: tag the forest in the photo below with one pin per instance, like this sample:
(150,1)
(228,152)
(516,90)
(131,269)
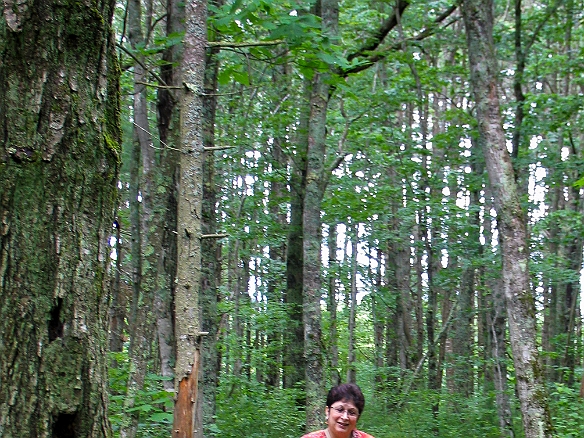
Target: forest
(213,212)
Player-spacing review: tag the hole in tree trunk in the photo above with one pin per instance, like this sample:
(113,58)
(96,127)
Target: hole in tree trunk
(55,324)
(65,426)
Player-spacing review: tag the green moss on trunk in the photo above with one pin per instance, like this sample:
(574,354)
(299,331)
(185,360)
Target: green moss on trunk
(59,159)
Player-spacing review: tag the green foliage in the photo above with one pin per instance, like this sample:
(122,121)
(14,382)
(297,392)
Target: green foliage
(390,172)
(247,408)
(472,418)
(152,402)
(566,407)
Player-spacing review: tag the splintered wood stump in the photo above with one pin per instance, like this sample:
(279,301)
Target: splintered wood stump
(184,406)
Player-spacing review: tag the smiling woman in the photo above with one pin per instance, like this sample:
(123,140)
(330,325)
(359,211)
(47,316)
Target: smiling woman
(344,405)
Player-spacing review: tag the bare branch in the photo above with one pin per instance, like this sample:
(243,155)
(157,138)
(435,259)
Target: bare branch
(214,236)
(131,55)
(219,148)
(167,87)
(406,390)
(226,44)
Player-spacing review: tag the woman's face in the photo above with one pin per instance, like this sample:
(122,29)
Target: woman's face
(342,418)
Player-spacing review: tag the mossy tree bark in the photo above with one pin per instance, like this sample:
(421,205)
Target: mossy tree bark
(59,159)
(511,220)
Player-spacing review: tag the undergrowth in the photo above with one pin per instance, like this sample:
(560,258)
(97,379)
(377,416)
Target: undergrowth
(252,410)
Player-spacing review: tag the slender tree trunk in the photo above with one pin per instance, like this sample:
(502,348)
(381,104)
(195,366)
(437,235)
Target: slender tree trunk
(275,294)
(141,218)
(550,293)
(244,334)
(397,278)
(237,348)
(117,326)
(209,376)
(59,159)
(351,370)
(391,328)
(168,130)
(293,359)
(378,324)
(462,335)
(434,379)
(572,248)
(189,214)
(332,305)
(419,312)
(478,20)
(277,258)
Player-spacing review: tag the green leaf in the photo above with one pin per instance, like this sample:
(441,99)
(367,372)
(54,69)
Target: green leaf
(241,76)
(224,76)
(161,417)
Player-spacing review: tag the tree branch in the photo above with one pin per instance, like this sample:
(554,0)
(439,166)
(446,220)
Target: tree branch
(222,44)
(549,12)
(214,236)
(372,58)
(167,87)
(131,55)
(218,148)
(413,377)
(382,32)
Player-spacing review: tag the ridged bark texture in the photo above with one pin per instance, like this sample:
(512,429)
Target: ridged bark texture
(59,159)
(478,20)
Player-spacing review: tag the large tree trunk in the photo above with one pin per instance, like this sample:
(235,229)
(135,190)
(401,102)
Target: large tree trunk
(316,182)
(478,20)
(312,238)
(189,213)
(59,156)
(497,329)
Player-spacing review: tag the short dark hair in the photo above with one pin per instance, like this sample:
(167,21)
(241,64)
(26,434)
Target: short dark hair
(347,392)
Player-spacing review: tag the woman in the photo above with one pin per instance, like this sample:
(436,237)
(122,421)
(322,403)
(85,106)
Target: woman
(344,405)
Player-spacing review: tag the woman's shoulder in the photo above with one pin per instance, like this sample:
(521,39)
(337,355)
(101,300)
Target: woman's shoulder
(322,434)
(359,434)
(317,434)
